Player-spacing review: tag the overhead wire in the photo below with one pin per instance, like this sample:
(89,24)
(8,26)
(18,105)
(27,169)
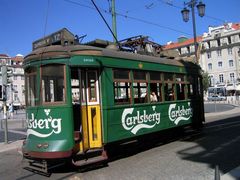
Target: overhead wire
(178,7)
(142,20)
(128,17)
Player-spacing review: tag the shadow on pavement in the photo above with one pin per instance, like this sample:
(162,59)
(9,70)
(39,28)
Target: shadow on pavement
(218,144)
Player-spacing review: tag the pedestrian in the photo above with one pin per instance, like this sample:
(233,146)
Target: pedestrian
(10,111)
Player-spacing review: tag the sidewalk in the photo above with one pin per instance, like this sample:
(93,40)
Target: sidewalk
(15,145)
(228,101)
(230,112)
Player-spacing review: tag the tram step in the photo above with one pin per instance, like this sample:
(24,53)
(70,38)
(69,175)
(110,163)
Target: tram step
(90,156)
(89,153)
(93,160)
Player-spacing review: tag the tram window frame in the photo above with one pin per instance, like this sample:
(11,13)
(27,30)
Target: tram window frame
(56,82)
(140,87)
(191,87)
(180,86)
(121,86)
(75,86)
(92,87)
(156,85)
(169,86)
(32,97)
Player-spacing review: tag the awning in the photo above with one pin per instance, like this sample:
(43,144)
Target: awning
(16,104)
(230,88)
(238,87)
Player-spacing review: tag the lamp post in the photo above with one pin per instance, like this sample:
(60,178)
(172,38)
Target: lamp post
(185,14)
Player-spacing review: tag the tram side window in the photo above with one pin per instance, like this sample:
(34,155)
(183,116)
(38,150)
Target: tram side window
(168,87)
(31,86)
(139,86)
(155,87)
(191,87)
(121,86)
(180,86)
(53,83)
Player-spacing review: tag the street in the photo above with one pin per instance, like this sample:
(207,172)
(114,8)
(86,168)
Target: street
(190,155)
(16,126)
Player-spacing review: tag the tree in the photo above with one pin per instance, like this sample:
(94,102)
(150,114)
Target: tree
(205,81)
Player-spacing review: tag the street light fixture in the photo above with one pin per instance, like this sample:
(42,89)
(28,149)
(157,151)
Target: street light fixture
(185,14)
(201,9)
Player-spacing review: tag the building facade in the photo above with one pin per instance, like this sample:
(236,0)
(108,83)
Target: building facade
(218,55)
(15,88)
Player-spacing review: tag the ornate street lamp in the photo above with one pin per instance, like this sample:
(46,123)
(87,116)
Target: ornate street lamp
(185,15)
(201,9)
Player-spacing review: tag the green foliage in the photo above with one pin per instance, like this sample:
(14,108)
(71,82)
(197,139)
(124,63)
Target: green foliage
(205,80)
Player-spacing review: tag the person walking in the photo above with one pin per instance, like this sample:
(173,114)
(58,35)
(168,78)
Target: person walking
(10,111)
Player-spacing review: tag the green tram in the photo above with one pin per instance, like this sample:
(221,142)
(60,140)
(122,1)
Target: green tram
(82,98)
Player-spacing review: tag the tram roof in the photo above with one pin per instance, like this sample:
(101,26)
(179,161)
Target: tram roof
(58,51)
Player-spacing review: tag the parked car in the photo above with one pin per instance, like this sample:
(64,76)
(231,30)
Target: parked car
(216,98)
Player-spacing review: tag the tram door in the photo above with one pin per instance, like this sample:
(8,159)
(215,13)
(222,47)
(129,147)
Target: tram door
(90,116)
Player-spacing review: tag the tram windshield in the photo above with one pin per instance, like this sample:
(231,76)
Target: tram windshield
(53,83)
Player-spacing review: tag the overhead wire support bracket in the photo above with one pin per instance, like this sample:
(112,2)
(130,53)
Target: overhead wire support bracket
(106,23)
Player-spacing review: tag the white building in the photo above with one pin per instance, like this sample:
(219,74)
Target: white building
(15,89)
(218,54)
(18,88)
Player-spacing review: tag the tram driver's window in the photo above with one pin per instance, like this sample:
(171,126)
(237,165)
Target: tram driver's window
(121,85)
(75,85)
(53,85)
(92,86)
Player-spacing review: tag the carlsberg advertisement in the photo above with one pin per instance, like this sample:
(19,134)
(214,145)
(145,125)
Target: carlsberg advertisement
(149,119)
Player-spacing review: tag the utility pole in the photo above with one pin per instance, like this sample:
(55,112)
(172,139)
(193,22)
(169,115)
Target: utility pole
(4,82)
(114,25)
(114,37)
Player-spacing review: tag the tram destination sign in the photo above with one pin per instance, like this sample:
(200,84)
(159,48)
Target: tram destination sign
(61,37)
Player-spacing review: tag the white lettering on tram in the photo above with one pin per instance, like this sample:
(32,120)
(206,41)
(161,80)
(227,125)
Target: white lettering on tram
(140,120)
(52,124)
(179,113)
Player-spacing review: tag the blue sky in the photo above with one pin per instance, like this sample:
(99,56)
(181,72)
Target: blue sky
(24,21)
